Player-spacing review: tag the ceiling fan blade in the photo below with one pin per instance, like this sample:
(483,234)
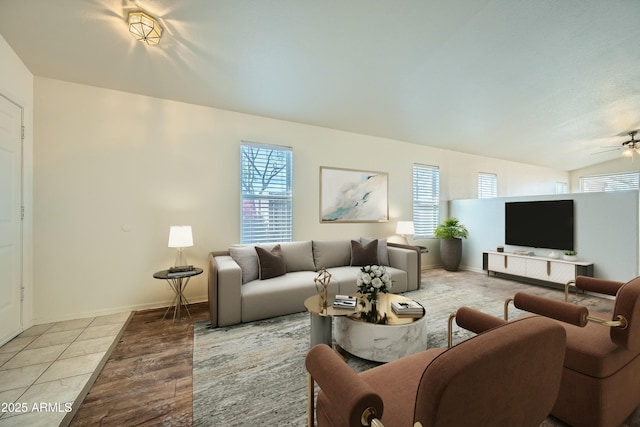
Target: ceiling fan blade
(628,132)
(606,151)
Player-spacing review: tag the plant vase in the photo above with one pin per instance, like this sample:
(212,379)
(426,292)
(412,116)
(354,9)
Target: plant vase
(372,297)
(372,280)
(451,232)
(451,253)
(370,312)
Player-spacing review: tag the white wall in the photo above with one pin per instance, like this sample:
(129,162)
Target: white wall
(606,230)
(108,161)
(16,83)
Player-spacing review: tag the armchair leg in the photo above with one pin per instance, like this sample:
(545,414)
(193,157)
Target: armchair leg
(506,308)
(310,401)
(452,316)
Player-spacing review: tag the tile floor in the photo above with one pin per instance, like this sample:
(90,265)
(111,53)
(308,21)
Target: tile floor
(44,369)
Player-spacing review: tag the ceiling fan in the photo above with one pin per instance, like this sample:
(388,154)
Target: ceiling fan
(628,147)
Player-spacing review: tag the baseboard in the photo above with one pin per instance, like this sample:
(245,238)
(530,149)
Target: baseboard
(472,269)
(115,310)
(462,267)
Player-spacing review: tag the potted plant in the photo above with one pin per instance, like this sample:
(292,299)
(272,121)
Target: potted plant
(570,255)
(451,232)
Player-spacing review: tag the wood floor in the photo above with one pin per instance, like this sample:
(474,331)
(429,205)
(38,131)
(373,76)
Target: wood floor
(148,378)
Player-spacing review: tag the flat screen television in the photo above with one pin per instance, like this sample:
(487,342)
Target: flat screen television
(540,224)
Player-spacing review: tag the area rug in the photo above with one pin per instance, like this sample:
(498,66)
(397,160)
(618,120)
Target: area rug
(253,374)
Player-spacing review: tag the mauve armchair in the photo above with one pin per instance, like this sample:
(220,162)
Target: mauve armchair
(601,377)
(506,376)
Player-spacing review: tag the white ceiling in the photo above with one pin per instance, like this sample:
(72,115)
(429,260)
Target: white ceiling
(546,82)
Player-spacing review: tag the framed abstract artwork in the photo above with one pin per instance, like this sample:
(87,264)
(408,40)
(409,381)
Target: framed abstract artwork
(348,195)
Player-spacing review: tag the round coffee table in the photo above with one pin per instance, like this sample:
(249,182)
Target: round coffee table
(399,337)
(322,318)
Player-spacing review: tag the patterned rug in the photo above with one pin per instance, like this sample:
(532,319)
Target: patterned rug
(253,374)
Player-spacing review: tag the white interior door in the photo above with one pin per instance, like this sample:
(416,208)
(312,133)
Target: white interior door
(10,220)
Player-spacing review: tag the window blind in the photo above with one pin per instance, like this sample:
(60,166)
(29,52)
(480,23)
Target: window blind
(611,182)
(426,199)
(562,188)
(487,185)
(266,193)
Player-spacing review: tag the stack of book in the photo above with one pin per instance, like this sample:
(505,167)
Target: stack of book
(407,308)
(179,271)
(345,301)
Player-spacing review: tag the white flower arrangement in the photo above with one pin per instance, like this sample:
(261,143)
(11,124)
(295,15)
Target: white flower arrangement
(373,279)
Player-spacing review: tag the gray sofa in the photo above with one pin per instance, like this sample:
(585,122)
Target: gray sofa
(237,295)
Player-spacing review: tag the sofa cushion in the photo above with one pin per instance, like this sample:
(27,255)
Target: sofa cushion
(331,253)
(275,297)
(271,262)
(591,352)
(247,258)
(383,252)
(298,256)
(366,254)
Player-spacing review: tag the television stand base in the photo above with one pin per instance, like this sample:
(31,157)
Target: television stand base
(534,267)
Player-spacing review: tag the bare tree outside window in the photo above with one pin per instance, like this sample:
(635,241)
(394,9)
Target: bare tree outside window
(266,193)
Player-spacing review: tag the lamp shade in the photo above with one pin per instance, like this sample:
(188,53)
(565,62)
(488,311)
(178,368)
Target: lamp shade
(180,236)
(144,28)
(405,228)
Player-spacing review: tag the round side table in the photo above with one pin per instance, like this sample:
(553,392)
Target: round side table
(178,282)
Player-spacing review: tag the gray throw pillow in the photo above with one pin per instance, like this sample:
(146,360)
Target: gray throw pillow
(271,262)
(245,256)
(362,255)
(331,253)
(298,256)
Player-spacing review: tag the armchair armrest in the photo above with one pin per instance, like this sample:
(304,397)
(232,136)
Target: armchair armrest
(472,320)
(601,286)
(342,386)
(562,311)
(559,310)
(591,284)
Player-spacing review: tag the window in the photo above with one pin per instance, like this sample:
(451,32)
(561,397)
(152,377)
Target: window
(487,185)
(612,182)
(562,188)
(266,193)
(426,200)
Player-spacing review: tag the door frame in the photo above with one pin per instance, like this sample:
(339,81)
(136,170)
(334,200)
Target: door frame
(22,216)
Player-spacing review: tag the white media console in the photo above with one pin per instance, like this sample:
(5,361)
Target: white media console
(535,267)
